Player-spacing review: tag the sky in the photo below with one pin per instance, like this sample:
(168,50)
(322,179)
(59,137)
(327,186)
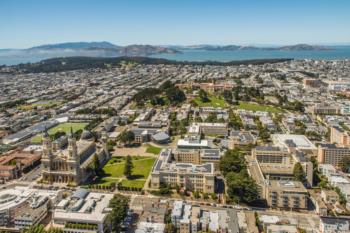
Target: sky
(27,23)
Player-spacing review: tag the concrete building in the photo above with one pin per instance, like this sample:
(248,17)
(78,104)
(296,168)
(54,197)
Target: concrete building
(286,194)
(294,141)
(198,156)
(334,225)
(14,163)
(192,142)
(190,176)
(325,109)
(21,207)
(277,163)
(191,219)
(84,211)
(339,136)
(209,128)
(329,196)
(240,139)
(332,154)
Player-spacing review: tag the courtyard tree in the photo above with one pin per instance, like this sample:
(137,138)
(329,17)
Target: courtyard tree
(298,172)
(127,137)
(128,167)
(203,96)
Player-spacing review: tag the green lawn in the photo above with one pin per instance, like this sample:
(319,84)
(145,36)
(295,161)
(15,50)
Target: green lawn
(41,104)
(63,127)
(258,107)
(133,183)
(153,150)
(114,170)
(214,102)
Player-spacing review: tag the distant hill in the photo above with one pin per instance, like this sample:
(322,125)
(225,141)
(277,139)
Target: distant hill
(77,45)
(302,47)
(297,47)
(89,49)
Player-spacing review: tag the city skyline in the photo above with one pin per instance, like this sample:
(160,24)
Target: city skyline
(31,23)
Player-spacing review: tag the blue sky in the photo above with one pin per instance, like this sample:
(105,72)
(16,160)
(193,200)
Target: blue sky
(26,23)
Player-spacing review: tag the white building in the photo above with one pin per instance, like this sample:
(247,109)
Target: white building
(83,208)
(25,206)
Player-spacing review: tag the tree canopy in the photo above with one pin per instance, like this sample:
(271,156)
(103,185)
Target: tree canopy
(240,186)
(232,161)
(299,173)
(119,205)
(175,95)
(203,96)
(127,137)
(128,166)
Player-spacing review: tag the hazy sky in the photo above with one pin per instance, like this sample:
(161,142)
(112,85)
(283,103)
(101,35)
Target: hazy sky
(25,23)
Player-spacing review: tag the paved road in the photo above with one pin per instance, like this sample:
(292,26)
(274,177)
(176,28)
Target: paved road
(33,175)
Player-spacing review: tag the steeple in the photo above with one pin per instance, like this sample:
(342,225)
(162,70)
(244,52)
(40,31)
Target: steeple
(47,144)
(72,146)
(71,134)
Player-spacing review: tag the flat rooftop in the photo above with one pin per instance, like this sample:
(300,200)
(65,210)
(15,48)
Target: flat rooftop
(300,141)
(90,209)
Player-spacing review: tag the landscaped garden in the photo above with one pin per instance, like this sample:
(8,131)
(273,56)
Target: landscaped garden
(113,172)
(213,101)
(153,150)
(258,107)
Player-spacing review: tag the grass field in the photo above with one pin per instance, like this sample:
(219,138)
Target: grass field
(133,183)
(258,107)
(214,102)
(153,150)
(114,169)
(40,104)
(64,127)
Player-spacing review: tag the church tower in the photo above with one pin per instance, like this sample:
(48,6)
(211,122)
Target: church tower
(104,140)
(47,145)
(72,146)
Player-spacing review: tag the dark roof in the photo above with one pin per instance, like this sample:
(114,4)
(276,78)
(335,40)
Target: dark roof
(161,136)
(80,193)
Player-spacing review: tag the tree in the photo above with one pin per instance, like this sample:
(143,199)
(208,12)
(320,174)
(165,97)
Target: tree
(234,120)
(232,161)
(212,117)
(96,164)
(227,96)
(54,230)
(127,137)
(35,229)
(298,172)
(111,144)
(175,95)
(241,187)
(119,205)
(203,96)
(345,164)
(157,101)
(205,196)
(214,196)
(128,166)
(166,85)
(196,194)
(40,229)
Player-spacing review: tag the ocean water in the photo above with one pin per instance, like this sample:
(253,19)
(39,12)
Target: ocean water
(337,53)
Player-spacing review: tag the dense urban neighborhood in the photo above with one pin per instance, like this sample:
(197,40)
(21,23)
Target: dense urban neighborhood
(143,147)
